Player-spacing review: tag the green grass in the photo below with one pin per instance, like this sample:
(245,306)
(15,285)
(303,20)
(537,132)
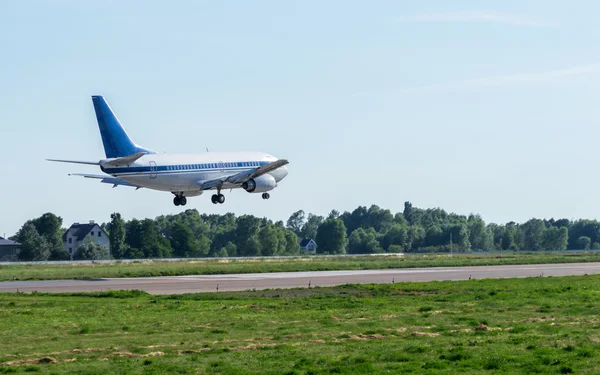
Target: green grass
(228,266)
(509,326)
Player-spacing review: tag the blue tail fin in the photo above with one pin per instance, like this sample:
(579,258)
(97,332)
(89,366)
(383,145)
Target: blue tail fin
(115,139)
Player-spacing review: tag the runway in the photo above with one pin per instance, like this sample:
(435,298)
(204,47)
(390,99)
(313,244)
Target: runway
(238,282)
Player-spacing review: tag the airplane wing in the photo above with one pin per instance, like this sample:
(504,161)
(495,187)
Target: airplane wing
(107,179)
(241,177)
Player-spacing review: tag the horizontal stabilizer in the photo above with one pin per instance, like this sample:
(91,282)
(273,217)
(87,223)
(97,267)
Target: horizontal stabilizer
(107,179)
(124,161)
(75,161)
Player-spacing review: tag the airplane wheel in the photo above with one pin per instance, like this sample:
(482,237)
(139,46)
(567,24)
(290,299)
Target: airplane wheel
(214,199)
(183,201)
(176,201)
(266,196)
(221,198)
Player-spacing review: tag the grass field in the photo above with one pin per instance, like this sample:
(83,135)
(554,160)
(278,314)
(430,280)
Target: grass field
(509,326)
(229,266)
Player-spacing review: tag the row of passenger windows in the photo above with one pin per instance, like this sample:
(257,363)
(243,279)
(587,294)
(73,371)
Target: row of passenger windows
(214,165)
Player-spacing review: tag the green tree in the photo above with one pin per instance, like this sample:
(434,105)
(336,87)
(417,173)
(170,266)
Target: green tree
(480,236)
(379,219)
(90,250)
(292,245)
(355,245)
(357,219)
(34,247)
(228,250)
(247,228)
(133,253)
(152,243)
(182,240)
(435,236)
(296,221)
(460,236)
(116,229)
(395,249)
(203,248)
(555,238)
(133,239)
(399,219)
(222,253)
(562,223)
(584,242)
(408,212)
(193,220)
(252,247)
(586,228)
(510,236)
(416,236)
(220,239)
(272,240)
(49,226)
(397,235)
(331,237)
(533,234)
(497,232)
(363,241)
(311,226)
(414,229)
(334,214)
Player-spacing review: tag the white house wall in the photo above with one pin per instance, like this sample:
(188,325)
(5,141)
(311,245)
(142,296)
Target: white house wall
(72,247)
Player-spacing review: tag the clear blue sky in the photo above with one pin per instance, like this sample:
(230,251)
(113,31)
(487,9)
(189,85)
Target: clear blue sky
(484,107)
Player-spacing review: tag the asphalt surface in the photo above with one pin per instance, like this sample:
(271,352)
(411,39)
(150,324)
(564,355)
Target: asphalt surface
(237,282)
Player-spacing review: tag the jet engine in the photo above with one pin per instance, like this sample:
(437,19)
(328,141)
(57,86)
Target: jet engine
(260,184)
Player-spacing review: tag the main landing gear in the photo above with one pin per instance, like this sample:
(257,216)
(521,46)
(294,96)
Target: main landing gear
(217,198)
(179,200)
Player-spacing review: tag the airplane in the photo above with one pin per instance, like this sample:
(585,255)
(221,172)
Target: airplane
(184,175)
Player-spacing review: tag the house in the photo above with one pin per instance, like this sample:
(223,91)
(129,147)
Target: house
(9,250)
(77,233)
(308,245)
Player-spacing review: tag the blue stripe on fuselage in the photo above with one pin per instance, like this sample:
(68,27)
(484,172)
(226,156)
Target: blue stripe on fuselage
(208,167)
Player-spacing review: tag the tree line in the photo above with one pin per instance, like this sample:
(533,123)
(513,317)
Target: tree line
(362,231)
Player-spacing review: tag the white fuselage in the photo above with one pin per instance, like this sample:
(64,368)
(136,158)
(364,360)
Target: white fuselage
(183,173)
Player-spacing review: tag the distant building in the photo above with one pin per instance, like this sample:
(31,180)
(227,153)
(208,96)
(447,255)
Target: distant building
(79,232)
(308,245)
(9,250)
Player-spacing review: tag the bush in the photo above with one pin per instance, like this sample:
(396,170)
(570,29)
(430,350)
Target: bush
(395,249)
(90,250)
